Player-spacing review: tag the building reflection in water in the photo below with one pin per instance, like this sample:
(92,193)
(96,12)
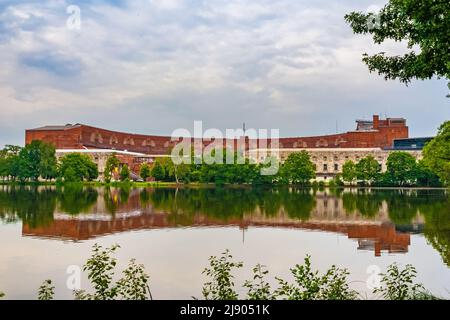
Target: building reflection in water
(115,212)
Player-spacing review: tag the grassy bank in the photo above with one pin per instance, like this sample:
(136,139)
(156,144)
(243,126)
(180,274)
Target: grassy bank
(161,184)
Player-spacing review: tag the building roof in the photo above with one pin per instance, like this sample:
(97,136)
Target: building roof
(315,149)
(101,151)
(57,127)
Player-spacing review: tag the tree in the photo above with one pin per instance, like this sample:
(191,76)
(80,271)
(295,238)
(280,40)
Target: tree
(47,166)
(423,24)
(36,160)
(112,163)
(92,170)
(125,173)
(158,171)
(401,166)
(436,153)
(425,176)
(349,171)
(77,167)
(29,161)
(298,168)
(367,169)
(145,171)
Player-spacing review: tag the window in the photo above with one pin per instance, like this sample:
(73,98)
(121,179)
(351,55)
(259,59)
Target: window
(324,158)
(336,167)
(325,167)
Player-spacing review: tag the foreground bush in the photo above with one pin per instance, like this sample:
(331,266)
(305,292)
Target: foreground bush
(309,284)
(100,267)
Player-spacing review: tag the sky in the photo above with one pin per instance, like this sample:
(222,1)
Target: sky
(153,66)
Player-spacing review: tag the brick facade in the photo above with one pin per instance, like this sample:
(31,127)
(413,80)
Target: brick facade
(369,134)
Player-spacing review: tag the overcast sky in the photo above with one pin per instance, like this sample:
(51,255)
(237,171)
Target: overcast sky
(151,66)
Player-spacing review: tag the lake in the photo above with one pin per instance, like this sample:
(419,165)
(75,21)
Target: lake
(173,232)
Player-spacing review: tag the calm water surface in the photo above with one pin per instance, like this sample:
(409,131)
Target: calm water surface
(173,232)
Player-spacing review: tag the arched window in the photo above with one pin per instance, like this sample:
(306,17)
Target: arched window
(96,137)
(128,141)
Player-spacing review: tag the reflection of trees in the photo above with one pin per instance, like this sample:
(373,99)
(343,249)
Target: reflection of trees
(437,226)
(298,203)
(111,200)
(225,203)
(75,199)
(33,206)
(365,202)
(213,202)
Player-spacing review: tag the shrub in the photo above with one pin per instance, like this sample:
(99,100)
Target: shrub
(399,284)
(46,291)
(221,285)
(310,285)
(100,267)
(125,173)
(258,288)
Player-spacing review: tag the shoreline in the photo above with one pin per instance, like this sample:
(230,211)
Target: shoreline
(152,184)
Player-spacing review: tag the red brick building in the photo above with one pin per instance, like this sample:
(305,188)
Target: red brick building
(376,133)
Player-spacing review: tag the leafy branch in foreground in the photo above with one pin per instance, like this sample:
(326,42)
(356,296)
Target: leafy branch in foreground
(221,286)
(258,288)
(397,284)
(420,23)
(46,291)
(310,285)
(100,267)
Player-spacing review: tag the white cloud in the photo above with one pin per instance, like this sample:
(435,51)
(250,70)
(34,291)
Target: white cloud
(281,63)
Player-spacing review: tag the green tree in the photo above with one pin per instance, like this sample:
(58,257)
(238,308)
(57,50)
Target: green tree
(36,160)
(367,169)
(48,163)
(29,161)
(424,24)
(349,171)
(158,171)
(425,176)
(92,170)
(125,173)
(298,168)
(145,171)
(112,164)
(402,168)
(77,167)
(9,162)
(436,153)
